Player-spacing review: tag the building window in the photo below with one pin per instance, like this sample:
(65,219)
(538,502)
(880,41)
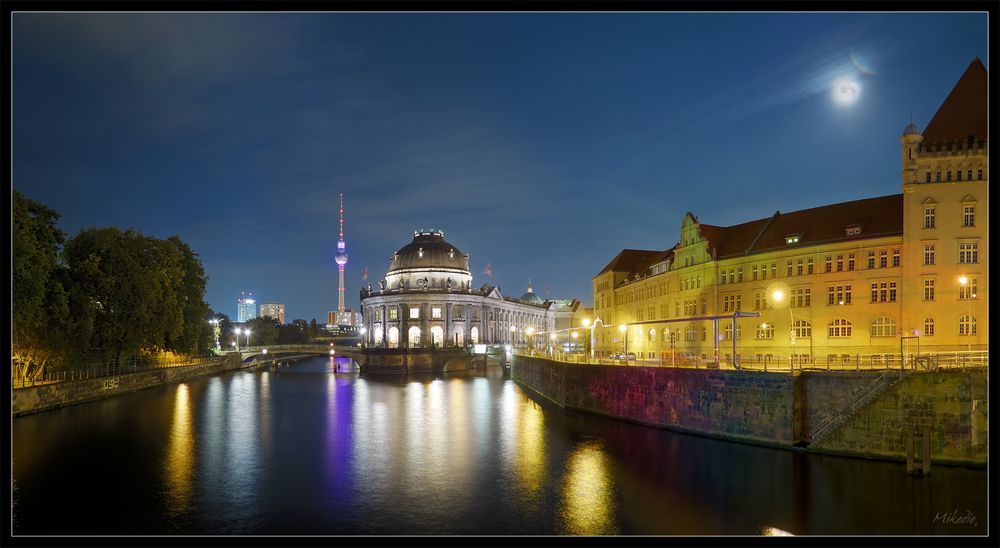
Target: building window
(731,303)
(969,216)
(727,332)
(393,313)
(928,254)
(801,298)
(970,175)
(967,291)
(948,173)
(967,325)
(980,175)
(801,329)
(829,264)
(896,257)
(799,267)
(871,260)
(840,263)
(764,331)
(788,270)
(753,272)
(850,261)
(883,259)
(689,334)
(883,292)
(958,174)
(928,290)
(884,327)
(929,327)
(839,328)
(928,176)
(763,272)
(760,300)
(704,305)
(937,177)
(968,253)
(436,313)
(838,295)
(774,270)
(414,313)
(930,216)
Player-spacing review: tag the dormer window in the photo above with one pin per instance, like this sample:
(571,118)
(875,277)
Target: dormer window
(451,253)
(792,239)
(420,252)
(853,230)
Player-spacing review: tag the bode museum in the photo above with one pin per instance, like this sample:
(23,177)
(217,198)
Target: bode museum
(858,282)
(427,300)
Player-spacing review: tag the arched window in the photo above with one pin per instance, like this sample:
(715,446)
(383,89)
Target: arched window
(802,328)
(378,335)
(967,325)
(884,327)
(474,335)
(765,331)
(839,328)
(652,335)
(928,327)
(666,334)
(393,337)
(459,336)
(437,336)
(413,336)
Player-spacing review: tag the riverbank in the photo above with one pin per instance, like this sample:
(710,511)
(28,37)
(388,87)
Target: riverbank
(35,399)
(780,409)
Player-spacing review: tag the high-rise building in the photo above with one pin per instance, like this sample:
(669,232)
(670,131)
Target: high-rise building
(341,258)
(274,310)
(246,307)
(850,284)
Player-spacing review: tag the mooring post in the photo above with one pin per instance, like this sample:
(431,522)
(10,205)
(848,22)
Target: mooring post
(909,452)
(925,458)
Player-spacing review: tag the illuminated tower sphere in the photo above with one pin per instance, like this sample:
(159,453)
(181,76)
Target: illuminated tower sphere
(341,257)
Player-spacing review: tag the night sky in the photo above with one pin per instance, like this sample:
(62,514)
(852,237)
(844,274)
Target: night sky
(544,143)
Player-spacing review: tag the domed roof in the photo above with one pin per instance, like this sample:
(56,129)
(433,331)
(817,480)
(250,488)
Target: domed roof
(530,296)
(429,250)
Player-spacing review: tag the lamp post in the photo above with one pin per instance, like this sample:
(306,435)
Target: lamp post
(215,331)
(531,340)
(552,340)
(247,331)
(513,330)
(574,335)
(964,281)
(778,295)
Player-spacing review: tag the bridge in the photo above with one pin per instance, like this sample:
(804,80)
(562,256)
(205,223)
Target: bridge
(380,360)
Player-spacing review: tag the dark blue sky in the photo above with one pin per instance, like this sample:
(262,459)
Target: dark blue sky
(543,142)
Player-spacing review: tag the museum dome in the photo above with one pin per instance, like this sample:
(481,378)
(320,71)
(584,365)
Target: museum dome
(429,250)
(530,297)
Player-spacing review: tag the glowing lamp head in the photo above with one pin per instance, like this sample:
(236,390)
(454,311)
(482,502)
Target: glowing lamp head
(622,328)
(586,322)
(575,335)
(552,337)
(963,280)
(778,295)
(530,330)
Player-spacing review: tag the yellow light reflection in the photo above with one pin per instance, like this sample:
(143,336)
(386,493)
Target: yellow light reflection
(587,498)
(529,464)
(774,532)
(180,454)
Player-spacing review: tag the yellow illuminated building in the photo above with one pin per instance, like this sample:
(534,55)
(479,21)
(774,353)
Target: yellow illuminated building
(862,278)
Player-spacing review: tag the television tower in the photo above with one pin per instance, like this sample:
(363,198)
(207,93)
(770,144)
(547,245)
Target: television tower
(341,258)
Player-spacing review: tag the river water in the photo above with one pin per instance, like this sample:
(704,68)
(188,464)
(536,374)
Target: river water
(305,449)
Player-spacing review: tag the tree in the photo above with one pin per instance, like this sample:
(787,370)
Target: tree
(264,331)
(39,302)
(313,328)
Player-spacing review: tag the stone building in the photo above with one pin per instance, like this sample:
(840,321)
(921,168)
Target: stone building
(427,300)
(866,277)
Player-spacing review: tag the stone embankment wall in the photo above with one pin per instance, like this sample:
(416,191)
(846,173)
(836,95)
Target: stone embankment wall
(50,396)
(951,405)
(777,408)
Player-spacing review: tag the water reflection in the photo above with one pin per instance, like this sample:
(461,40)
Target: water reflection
(588,502)
(180,455)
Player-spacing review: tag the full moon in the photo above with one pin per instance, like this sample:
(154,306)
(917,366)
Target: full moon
(846,92)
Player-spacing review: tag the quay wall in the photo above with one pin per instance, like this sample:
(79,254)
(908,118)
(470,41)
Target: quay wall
(34,399)
(777,409)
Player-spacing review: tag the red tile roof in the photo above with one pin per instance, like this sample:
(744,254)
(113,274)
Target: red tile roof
(963,112)
(627,260)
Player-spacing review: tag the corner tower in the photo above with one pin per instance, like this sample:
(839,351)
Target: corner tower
(341,258)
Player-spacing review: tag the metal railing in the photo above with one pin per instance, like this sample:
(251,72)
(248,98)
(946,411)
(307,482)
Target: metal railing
(840,362)
(856,401)
(111,368)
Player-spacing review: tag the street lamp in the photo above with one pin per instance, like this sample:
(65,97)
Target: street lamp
(624,329)
(778,295)
(512,331)
(247,331)
(531,340)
